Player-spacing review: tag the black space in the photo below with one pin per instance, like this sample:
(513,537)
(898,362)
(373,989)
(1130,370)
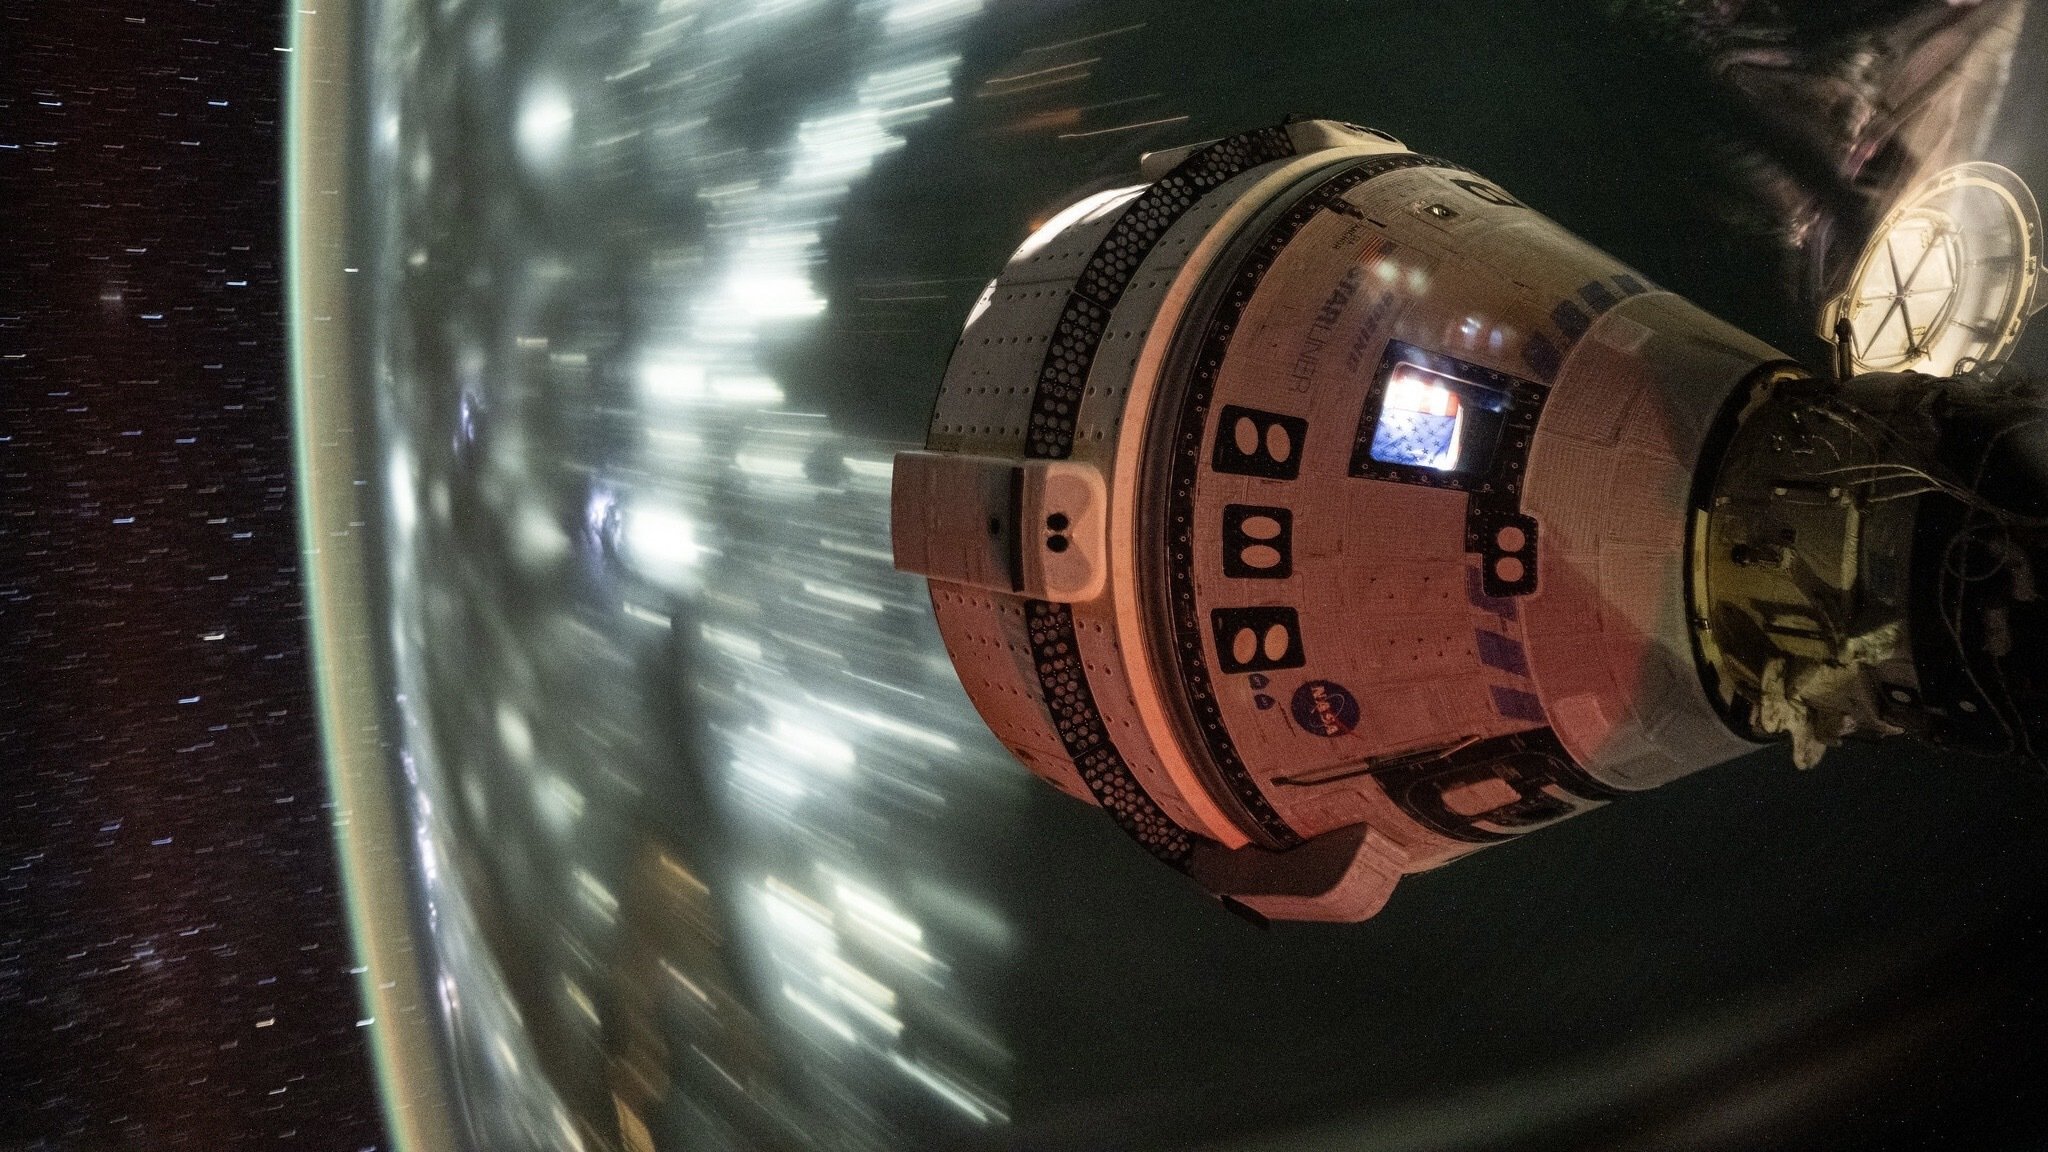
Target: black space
(174,962)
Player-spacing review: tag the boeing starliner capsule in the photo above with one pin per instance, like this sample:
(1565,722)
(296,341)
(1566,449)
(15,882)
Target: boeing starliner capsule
(1324,514)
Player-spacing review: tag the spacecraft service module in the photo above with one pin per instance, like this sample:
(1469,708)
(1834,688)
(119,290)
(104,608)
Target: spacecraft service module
(1325,513)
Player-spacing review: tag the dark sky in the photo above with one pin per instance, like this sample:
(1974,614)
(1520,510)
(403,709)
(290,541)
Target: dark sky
(174,965)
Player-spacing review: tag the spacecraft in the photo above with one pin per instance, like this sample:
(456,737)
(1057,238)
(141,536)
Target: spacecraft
(1324,513)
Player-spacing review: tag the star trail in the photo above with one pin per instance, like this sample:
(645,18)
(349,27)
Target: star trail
(174,967)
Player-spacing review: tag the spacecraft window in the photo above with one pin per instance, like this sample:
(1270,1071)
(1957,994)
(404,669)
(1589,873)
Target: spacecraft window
(1429,419)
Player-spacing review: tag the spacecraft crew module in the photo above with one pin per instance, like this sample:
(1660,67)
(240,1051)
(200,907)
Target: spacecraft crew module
(1324,513)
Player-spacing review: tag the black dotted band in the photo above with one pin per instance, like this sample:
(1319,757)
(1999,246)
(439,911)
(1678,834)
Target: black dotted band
(1086,738)
(1061,676)
(1101,284)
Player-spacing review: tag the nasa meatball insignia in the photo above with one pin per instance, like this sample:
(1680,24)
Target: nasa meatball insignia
(1324,708)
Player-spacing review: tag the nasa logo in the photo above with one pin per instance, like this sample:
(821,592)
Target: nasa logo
(1325,708)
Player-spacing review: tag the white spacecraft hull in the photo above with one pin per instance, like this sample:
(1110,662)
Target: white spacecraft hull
(1322,511)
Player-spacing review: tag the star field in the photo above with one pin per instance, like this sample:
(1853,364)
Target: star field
(174,965)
